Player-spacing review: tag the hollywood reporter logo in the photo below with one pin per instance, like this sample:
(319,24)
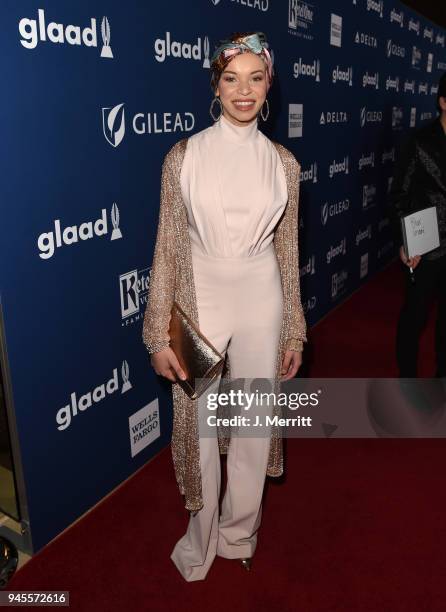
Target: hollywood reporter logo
(33,31)
(77,405)
(47,242)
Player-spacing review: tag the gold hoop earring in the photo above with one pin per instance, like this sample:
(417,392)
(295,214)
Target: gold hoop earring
(211,110)
(267,112)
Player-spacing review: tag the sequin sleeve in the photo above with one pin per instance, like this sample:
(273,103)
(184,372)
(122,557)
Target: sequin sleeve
(286,238)
(162,276)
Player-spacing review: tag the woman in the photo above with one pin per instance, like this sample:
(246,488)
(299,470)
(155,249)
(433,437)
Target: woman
(226,251)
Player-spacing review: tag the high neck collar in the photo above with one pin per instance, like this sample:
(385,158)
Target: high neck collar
(240,134)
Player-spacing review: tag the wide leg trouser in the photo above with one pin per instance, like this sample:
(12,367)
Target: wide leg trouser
(430,281)
(240,308)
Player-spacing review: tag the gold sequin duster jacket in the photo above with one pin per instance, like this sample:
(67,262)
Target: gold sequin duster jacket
(171,279)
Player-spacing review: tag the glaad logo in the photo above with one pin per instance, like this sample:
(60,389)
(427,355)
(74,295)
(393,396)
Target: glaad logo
(301,69)
(338,167)
(414,26)
(366,39)
(434,90)
(367,160)
(363,234)
(409,86)
(332,210)
(334,251)
(366,116)
(49,241)
(378,7)
(333,117)
(371,79)
(113,124)
(423,88)
(32,33)
(308,268)
(167,48)
(397,17)
(309,174)
(393,83)
(65,415)
(343,75)
(388,155)
(338,283)
(394,49)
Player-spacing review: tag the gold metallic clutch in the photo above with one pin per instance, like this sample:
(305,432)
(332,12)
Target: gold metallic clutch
(195,354)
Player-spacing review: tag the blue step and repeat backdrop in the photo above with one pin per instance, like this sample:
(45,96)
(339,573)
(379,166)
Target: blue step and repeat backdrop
(94,94)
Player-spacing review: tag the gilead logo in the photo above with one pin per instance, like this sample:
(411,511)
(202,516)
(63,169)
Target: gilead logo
(34,31)
(47,242)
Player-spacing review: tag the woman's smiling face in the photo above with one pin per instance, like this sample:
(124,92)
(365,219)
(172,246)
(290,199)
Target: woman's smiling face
(242,88)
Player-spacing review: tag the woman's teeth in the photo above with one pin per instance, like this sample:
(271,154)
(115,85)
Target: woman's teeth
(244,105)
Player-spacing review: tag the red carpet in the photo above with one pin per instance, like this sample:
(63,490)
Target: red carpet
(355,525)
(357,339)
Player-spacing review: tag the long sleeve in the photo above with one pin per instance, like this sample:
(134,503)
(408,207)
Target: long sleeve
(401,189)
(286,239)
(162,278)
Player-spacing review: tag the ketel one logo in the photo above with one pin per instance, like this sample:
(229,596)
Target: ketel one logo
(77,405)
(32,33)
(113,124)
(49,241)
(133,290)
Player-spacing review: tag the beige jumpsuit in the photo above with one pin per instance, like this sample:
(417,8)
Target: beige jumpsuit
(234,188)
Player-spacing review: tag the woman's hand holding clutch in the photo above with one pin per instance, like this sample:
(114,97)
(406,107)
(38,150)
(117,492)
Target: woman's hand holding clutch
(291,363)
(166,364)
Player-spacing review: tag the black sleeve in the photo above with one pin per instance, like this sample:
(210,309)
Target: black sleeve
(402,185)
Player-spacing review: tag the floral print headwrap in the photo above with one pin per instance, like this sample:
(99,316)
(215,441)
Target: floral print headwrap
(228,48)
